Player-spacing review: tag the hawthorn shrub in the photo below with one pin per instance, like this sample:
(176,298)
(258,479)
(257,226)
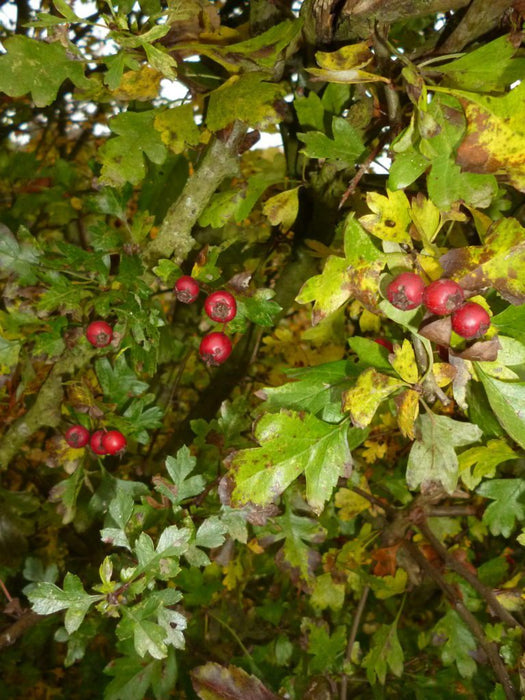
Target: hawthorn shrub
(332,505)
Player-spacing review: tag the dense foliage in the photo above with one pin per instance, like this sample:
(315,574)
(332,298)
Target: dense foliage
(335,509)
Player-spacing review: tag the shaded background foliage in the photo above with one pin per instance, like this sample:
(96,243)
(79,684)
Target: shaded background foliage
(286,525)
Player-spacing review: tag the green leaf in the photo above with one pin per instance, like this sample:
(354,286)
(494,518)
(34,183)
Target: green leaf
(119,382)
(149,639)
(489,68)
(161,61)
(122,157)
(19,258)
(259,308)
(385,653)
(507,400)
(248,98)
(63,295)
(359,248)
(448,184)
(46,598)
(37,67)
(292,444)
(511,322)
(65,493)
(310,111)
(370,353)
(459,646)
(327,650)
(484,459)
(131,678)
(9,353)
(315,390)
(121,508)
(179,468)
(344,148)
(432,457)
(508,507)
(406,167)
(211,533)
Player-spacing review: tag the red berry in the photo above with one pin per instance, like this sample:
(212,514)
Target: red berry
(471,321)
(114,442)
(95,442)
(215,348)
(187,289)
(443,297)
(385,343)
(99,334)
(220,306)
(405,292)
(77,436)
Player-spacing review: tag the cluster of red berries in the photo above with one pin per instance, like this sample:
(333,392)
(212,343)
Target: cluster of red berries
(102,442)
(220,306)
(443,297)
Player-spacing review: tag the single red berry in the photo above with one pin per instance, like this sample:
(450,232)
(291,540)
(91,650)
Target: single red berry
(95,442)
(99,334)
(215,348)
(385,343)
(114,442)
(77,436)
(443,297)
(187,289)
(221,306)
(405,292)
(471,321)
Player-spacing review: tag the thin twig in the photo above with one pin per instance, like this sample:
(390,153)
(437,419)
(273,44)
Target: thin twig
(490,649)
(485,592)
(351,639)
(361,171)
(374,500)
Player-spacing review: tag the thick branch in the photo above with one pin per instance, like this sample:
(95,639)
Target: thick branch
(220,162)
(481,17)
(45,412)
(17,629)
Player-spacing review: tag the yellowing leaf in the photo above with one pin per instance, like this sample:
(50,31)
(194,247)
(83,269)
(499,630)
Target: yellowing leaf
(329,290)
(373,451)
(371,389)
(407,412)
(404,362)
(342,66)
(351,503)
(391,217)
(234,574)
(369,322)
(426,218)
(443,373)
(177,128)
(282,208)
(327,593)
(141,85)
(495,137)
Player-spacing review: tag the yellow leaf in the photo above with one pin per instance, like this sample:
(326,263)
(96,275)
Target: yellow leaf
(342,66)
(373,451)
(351,503)
(141,85)
(234,574)
(371,389)
(426,218)
(369,322)
(404,362)
(391,217)
(282,208)
(407,412)
(443,373)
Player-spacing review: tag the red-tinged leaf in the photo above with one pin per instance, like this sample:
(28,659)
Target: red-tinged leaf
(215,682)
(385,559)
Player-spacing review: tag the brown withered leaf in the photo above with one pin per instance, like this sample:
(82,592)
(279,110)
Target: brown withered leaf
(215,682)
(437,330)
(482,351)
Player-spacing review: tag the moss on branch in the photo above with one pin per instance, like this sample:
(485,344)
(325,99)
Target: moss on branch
(219,162)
